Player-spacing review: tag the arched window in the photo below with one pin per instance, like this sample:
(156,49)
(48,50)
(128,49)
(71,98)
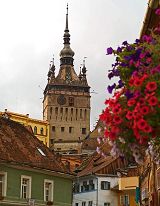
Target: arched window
(41,131)
(85,114)
(35,130)
(56,110)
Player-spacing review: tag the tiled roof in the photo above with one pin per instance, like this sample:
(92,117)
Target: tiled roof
(19,145)
(96,164)
(90,143)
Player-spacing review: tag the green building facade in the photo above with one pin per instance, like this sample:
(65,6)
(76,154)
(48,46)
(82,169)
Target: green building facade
(20,185)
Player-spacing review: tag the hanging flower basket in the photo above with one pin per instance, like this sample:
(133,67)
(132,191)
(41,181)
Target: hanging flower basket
(132,115)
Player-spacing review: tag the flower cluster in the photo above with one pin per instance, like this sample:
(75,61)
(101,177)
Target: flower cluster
(132,115)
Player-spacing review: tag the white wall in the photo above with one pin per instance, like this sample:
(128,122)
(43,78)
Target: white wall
(107,195)
(99,197)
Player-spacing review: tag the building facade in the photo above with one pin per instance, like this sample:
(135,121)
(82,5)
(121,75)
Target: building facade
(40,128)
(30,174)
(95,190)
(66,104)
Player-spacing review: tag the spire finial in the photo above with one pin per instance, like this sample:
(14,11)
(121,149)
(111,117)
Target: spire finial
(84,61)
(66,29)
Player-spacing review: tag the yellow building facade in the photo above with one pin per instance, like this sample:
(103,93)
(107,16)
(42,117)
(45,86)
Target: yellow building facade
(40,128)
(127,191)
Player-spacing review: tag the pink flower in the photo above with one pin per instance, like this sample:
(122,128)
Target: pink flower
(129,115)
(141,124)
(144,110)
(147,129)
(158,12)
(131,102)
(117,109)
(151,86)
(153,101)
(117,119)
(137,82)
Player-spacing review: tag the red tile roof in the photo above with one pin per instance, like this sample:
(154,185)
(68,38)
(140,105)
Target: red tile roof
(19,145)
(96,164)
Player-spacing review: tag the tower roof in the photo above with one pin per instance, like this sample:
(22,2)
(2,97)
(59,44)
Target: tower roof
(66,53)
(67,76)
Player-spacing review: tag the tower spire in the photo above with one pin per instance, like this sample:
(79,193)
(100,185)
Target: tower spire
(66,29)
(66,54)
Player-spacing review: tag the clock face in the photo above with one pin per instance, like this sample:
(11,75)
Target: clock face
(61,99)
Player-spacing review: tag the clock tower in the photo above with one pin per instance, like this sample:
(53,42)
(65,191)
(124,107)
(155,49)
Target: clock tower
(66,104)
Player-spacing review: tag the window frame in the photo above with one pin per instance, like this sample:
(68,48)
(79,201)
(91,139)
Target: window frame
(52,190)
(70,130)
(29,186)
(62,129)
(4,183)
(104,183)
(84,130)
(107,204)
(90,203)
(71,101)
(122,199)
(83,203)
(35,130)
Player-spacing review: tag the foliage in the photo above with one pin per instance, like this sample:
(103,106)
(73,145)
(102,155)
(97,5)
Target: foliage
(132,115)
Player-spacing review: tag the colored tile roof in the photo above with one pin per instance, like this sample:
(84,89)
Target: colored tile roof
(96,164)
(18,145)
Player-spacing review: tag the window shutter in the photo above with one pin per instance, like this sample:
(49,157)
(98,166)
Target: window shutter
(121,199)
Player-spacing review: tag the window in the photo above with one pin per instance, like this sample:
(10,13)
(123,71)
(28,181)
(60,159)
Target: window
(53,129)
(52,141)
(76,113)
(35,130)
(62,129)
(56,110)
(80,113)
(51,110)
(105,185)
(72,111)
(85,114)
(61,110)
(85,186)
(41,131)
(40,151)
(48,190)
(124,200)
(90,203)
(76,188)
(83,203)
(71,101)
(3,184)
(76,204)
(25,187)
(83,130)
(82,188)
(91,185)
(70,129)
(107,204)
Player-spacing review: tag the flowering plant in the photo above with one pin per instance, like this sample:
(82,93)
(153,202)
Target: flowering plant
(132,115)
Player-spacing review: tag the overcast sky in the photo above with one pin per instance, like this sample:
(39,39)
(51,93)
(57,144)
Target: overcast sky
(31,31)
